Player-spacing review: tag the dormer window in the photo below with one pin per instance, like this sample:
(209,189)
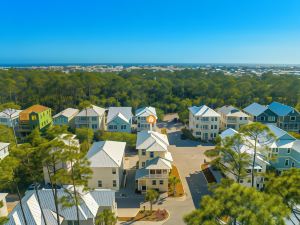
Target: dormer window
(293,118)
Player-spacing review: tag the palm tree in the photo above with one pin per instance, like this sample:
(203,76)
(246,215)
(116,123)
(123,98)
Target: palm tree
(151,197)
(173,181)
(106,217)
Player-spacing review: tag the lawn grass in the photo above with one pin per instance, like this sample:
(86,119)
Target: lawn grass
(179,187)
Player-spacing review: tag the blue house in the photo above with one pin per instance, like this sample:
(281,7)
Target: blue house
(261,113)
(119,119)
(285,150)
(288,118)
(65,117)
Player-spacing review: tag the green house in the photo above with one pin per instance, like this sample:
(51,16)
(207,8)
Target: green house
(36,116)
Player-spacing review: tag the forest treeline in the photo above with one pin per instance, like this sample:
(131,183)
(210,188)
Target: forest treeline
(168,91)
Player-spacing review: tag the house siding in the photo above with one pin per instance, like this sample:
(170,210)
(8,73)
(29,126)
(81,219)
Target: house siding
(117,123)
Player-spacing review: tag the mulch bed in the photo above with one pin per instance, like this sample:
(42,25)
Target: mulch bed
(207,173)
(179,187)
(156,216)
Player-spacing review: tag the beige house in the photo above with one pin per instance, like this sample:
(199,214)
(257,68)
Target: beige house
(204,122)
(69,140)
(232,117)
(107,162)
(155,161)
(92,117)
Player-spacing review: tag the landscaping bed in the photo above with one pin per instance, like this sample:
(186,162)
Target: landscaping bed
(207,173)
(155,216)
(179,187)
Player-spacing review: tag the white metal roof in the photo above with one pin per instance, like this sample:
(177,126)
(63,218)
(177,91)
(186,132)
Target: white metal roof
(204,111)
(106,154)
(69,112)
(125,113)
(255,109)
(92,111)
(158,163)
(152,141)
(3,145)
(90,201)
(7,113)
(146,111)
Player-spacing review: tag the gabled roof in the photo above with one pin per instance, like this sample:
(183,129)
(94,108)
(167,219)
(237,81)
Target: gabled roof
(279,133)
(3,145)
(280,109)
(7,113)
(158,163)
(92,111)
(69,112)
(228,133)
(152,141)
(35,108)
(204,111)
(231,111)
(146,111)
(125,113)
(106,154)
(90,201)
(255,109)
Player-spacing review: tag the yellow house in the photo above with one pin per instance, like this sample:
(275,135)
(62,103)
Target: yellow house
(155,161)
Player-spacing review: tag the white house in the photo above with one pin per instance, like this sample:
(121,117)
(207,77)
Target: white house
(91,203)
(65,117)
(119,119)
(10,117)
(261,161)
(141,115)
(204,122)
(155,161)
(4,150)
(69,140)
(92,117)
(232,117)
(107,164)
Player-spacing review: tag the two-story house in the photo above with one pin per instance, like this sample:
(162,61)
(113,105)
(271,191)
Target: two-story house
(10,117)
(284,150)
(204,122)
(4,150)
(90,205)
(141,115)
(155,161)
(261,113)
(107,164)
(288,118)
(119,119)
(261,161)
(232,117)
(36,116)
(67,140)
(92,117)
(65,117)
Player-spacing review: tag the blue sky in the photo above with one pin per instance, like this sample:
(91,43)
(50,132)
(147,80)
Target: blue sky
(157,31)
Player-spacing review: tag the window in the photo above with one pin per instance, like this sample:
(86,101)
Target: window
(114,183)
(271,118)
(211,126)
(153,182)
(205,119)
(293,118)
(94,126)
(115,127)
(287,162)
(161,182)
(94,118)
(216,127)
(33,117)
(99,183)
(198,133)
(123,127)
(114,171)
(211,135)
(197,126)
(241,118)
(293,164)
(70,222)
(288,150)
(110,127)
(151,154)
(241,181)
(143,152)
(257,185)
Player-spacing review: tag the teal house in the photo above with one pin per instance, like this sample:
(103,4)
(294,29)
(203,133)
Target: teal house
(119,119)
(65,117)
(285,150)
